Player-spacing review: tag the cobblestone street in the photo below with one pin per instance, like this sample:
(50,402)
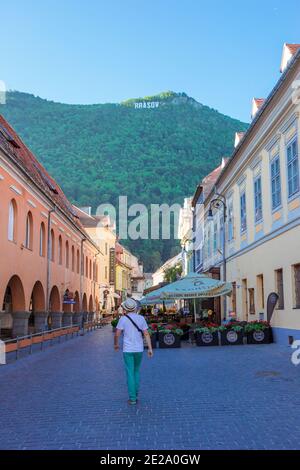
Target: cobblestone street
(73,396)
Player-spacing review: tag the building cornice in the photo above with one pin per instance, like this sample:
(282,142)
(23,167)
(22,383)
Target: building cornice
(37,191)
(258,119)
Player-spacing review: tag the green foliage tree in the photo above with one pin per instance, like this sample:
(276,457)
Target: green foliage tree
(173,273)
(98,152)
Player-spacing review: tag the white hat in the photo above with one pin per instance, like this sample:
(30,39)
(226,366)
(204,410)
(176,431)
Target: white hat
(129,305)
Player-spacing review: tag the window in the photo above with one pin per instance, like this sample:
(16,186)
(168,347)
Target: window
(29,231)
(52,245)
(275,183)
(198,257)
(60,250)
(77,262)
(297,285)
(215,237)
(233,297)
(86,267)
(12,220)
(279,287)
(106,249)
(67,255)
(293,168)
(73,258)
(134,286)
(221,234)
(230,221)
(90,269)
(244,299)
(208,243)
(251,301)
(260,291)
(105,272)
(243,212)
(257,199)
(42,239)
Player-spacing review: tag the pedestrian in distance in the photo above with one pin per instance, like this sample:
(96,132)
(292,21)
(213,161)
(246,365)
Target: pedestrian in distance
(135,329)
(120,311)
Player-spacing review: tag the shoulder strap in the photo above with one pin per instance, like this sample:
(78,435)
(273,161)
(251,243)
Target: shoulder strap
(133,322)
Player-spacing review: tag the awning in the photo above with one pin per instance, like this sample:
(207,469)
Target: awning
(192,286)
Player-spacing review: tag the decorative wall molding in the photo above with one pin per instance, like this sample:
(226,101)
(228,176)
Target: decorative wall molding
(16,190)
(31,203)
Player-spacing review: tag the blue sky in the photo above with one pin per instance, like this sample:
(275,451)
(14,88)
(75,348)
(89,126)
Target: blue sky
(221,53)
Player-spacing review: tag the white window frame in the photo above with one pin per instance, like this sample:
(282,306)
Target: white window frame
(258,218)
(294,160)
(276,176)
(243,211)
(11,221)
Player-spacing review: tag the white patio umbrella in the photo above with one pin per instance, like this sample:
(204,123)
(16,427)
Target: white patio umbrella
(193,286)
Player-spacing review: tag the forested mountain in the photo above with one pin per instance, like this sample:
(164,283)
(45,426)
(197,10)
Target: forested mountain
(153,150)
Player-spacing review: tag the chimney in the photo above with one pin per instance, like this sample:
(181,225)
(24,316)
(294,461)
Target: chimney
(141,266)
(224,161)
(289,50)
(86,209)
(256,105)
(238,138)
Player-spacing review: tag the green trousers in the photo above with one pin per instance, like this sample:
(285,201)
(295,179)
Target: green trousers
(132,365)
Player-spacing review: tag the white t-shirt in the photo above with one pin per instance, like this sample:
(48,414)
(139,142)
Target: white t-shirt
(133,339)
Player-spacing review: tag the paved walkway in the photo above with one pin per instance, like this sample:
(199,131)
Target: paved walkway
(73,396)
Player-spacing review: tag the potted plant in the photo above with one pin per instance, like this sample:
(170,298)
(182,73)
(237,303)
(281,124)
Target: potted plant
(114,323)
(186,330)
(231,334)
(206,335)
(169,337)
(258,332)
(153,335)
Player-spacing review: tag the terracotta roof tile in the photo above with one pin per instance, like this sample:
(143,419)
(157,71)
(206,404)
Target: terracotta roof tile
(25,158)
(209,181)
(259,101)
(293,48)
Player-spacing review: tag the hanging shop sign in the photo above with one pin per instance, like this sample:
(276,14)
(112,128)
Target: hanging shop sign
(68,298)
(112,266)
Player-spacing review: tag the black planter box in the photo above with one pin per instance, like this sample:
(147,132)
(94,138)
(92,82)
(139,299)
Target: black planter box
(260,337)
(207,339)
(231,337)
(153,341)
(186,334)
(169,340)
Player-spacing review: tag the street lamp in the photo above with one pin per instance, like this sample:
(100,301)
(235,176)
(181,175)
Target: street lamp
(218,203)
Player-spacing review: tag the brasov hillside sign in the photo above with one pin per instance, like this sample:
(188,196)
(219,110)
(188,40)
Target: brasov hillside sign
(146,104)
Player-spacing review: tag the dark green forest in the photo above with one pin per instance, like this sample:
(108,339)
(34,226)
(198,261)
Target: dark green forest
(98,152)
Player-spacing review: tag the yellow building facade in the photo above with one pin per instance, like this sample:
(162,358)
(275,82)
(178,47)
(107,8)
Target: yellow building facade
(123,272)
(261,187)
(101,230)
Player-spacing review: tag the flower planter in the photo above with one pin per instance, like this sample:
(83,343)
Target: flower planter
(260,336)
(169,340)
(207,338)
(231,337)
(153,341)
(186,334)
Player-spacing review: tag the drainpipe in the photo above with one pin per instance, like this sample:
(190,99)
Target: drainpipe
(48,260)
(94,277)
(81,272)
